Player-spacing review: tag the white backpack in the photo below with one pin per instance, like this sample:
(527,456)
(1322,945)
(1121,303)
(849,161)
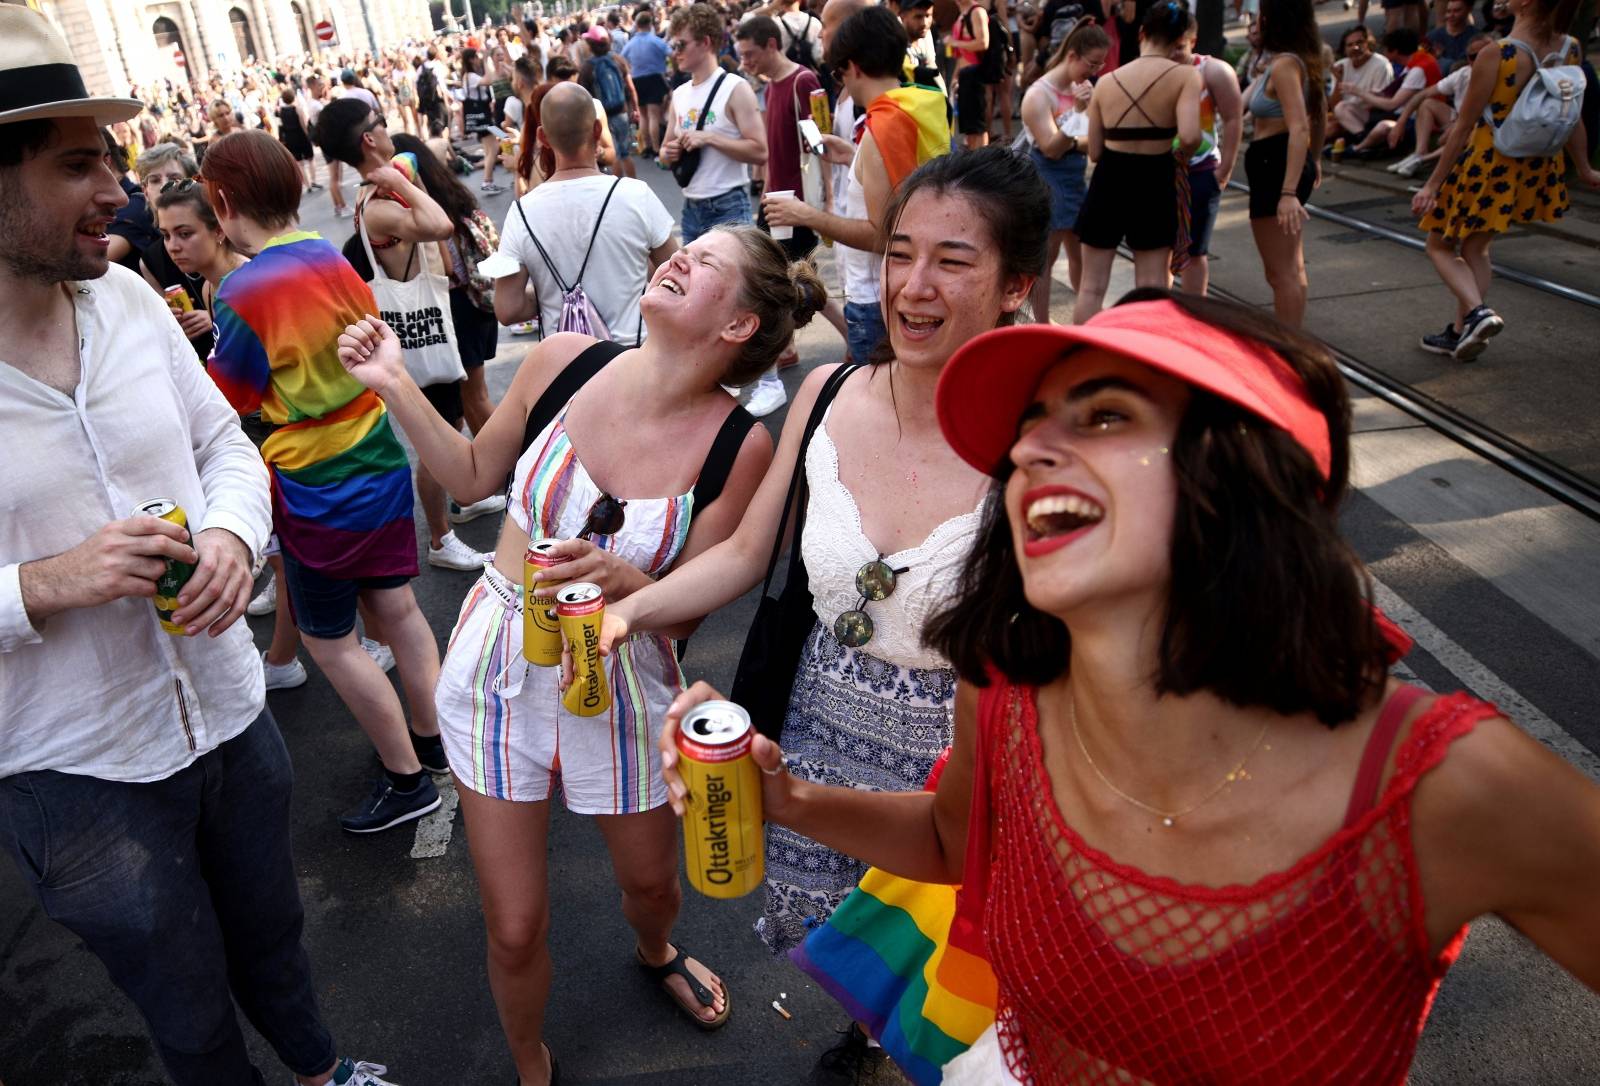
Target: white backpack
(1546,110)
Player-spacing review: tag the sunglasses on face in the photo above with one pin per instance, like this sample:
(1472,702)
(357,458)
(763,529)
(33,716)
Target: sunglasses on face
(606,516)
(376,122)
(678,45)
(875,582)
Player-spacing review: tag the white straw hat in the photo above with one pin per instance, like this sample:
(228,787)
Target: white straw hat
(39,79)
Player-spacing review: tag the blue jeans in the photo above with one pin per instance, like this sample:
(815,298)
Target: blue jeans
(701,215)
(864,329)
(185,889)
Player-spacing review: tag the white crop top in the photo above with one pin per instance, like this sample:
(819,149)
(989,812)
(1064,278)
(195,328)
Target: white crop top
(834,547)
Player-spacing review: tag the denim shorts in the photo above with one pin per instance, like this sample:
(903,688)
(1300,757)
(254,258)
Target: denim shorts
(864,329)
(325,606)
(701,215)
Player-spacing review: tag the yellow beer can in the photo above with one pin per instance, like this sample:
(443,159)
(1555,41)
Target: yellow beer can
(724,841)
(177,573)
(581,608)
(541,632)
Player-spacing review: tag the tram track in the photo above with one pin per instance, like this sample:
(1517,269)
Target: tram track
(1492,444)
(1415,242)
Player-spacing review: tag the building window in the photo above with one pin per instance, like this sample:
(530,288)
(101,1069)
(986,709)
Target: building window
(243,39)
(300,25)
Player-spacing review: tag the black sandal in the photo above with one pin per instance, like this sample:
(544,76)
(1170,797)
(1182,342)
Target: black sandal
(555,1069)
(679,966)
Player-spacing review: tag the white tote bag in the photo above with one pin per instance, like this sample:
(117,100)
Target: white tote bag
(419,312)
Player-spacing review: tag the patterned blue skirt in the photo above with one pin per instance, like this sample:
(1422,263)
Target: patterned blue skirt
(854,720)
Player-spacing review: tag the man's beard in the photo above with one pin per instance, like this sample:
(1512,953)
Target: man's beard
(30,250)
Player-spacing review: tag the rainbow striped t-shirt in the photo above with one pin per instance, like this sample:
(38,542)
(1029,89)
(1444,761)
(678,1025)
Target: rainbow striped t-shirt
(341,485)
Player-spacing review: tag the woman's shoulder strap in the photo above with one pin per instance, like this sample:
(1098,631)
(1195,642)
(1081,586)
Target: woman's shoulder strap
(721,457)
(1376,754)
(590,361)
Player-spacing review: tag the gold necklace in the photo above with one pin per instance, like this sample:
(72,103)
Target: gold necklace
(1168,818)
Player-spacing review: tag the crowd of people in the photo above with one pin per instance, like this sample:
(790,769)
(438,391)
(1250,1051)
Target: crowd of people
(1068,576)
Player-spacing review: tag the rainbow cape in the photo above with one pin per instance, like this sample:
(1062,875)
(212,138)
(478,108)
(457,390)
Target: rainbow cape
(910,125)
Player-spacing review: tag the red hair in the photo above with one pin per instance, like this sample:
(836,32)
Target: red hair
(531,151)
(254,176)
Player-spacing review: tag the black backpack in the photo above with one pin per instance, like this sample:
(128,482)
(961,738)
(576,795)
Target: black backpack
(800,49)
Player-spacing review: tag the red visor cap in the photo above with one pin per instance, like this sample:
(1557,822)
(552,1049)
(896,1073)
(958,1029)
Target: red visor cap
(991,379)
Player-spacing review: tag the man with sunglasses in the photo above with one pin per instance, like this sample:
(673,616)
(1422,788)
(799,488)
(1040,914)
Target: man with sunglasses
(732,137)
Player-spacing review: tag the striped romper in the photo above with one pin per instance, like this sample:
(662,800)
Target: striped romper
(506,732)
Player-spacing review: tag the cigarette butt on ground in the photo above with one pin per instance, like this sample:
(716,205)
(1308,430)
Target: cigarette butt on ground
(779,1008)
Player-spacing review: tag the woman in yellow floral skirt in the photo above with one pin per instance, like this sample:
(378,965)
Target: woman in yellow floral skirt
(1476,192)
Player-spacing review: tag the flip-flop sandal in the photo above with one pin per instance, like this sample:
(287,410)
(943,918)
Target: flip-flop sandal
(679,966)
(555,1069)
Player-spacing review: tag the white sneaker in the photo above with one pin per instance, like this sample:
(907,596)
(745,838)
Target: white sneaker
(767,398)
(381,654)
(1408,166)
(362,1073)
(283,676)
(266,600)
(451,553)
(494,503)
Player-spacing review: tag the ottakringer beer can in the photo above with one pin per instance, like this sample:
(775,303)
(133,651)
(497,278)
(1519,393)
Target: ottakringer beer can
(178,299)
(581,608)
(541,632)
(723,839)
(177,573)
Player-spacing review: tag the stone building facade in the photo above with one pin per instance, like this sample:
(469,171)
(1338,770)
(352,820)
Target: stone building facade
(120,43)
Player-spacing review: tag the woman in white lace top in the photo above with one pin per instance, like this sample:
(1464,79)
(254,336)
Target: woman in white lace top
(888,499)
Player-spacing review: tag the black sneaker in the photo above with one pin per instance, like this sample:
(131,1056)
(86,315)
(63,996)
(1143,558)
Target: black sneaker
(1477,327)
(1442,342)
(385,807)
(430,752)
(853,1062)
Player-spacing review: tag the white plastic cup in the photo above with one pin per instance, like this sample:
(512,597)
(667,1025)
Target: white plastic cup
(781,233)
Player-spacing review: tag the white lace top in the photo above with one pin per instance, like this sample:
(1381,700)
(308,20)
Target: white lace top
(834,547)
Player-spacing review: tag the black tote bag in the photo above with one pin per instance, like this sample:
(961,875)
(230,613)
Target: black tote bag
(771,655)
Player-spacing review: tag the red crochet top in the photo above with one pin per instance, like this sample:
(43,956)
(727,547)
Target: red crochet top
(1321,973)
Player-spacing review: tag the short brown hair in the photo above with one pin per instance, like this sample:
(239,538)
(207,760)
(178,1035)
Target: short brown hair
(760,30)
(256,177)
(700,20)
(1267,604)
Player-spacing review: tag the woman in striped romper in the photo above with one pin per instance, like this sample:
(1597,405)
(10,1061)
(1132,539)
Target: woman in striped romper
(587,454)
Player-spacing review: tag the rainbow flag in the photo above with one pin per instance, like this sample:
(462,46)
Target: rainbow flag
(883,955)
(886,955)
(910,125)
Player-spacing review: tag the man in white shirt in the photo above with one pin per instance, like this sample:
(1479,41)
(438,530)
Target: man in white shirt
(732,137)
(1360,69)
(566,214)
(144,788)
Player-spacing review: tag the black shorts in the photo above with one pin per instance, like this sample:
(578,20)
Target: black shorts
(652,89)
(1133,198)
(477,332)
(1266,164)
(1205,197)
(972,107)
(446,399)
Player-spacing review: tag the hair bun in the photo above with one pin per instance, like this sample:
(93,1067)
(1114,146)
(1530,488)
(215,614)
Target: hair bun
(810,295)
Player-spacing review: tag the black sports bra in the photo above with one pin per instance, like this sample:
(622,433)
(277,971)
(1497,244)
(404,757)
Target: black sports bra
(1141,132)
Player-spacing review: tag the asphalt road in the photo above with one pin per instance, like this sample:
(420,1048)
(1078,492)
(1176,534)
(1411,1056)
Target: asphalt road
(395,934)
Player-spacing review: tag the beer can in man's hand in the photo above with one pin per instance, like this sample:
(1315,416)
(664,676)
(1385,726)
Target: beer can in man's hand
(177,573)
(581,608)
(724,842)
(541,632)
